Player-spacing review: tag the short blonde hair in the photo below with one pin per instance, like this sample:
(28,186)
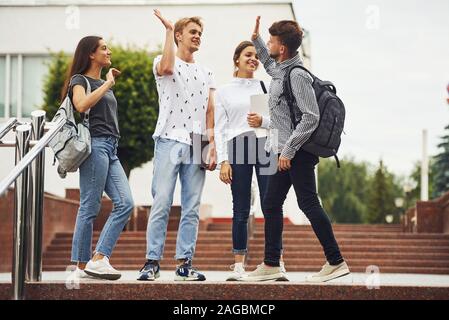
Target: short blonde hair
(182,23)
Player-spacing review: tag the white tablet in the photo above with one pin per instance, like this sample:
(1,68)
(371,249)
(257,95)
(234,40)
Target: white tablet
(259,104)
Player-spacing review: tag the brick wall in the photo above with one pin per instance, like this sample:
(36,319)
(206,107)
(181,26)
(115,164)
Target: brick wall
(428,216)
(59,216)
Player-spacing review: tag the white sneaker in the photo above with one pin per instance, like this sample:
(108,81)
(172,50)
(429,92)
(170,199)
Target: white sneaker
(282,266)
(77,275)
(238,272)
(102,269)
(283,271)
(80,274)
(265,273)
(329,272)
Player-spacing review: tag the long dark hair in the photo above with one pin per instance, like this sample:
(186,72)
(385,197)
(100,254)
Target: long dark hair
(81,60)
(238,51)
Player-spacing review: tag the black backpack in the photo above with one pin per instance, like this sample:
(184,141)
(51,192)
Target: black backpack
(325,140)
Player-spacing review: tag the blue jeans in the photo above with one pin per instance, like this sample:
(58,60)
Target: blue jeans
(254,156)
(101,171)
(170,159)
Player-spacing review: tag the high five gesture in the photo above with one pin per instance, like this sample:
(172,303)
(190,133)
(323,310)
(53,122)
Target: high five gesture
(167,24)
(166,65)
(256,29)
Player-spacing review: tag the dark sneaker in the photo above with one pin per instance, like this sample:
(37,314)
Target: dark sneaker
(186,272)
(150,271)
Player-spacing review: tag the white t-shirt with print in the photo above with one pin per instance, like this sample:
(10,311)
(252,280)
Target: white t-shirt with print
(183,100)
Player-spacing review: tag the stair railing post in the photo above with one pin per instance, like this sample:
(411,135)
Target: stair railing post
(21,203)
(34,270)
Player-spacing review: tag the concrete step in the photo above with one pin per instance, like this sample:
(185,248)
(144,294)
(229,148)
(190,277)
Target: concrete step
(290,268)
(225,261)
(228,260)
(263,291)
(118,253)
(362,262)
(311,240)
(286,235)
(287,247)
(336,227)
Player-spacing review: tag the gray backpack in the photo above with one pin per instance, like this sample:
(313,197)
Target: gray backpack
(72,145)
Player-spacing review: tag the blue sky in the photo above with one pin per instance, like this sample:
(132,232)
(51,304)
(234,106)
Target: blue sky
(390,63)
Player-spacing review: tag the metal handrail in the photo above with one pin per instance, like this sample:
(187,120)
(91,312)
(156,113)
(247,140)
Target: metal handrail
(35,222)
(7,127)
(28,175)
(22,193)
(30,156)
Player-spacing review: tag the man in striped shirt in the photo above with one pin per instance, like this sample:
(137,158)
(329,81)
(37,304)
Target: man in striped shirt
(295,166)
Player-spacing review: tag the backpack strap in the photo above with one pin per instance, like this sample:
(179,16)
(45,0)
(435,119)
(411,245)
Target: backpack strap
(306,70)
(85,115)
(289,93)
(263,87)
(322,83)
(337,160)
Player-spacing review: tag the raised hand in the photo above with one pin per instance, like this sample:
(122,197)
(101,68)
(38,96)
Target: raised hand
(112,74)
(167,24)
(256,29)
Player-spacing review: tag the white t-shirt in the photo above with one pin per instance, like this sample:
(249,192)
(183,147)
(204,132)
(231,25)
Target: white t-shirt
(183,100)
(232,105)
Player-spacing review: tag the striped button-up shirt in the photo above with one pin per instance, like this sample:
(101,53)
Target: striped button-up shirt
(284,139)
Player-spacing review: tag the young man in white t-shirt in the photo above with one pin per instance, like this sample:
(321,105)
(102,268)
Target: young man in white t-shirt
(186,106)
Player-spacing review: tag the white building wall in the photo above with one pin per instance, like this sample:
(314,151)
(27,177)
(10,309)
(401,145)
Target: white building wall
(37,29)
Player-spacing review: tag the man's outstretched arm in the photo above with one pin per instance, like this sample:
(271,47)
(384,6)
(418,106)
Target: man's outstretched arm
(262,50)
(167,63)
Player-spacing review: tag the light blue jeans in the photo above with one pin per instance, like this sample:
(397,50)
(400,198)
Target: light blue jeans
(101,171)
(170,159)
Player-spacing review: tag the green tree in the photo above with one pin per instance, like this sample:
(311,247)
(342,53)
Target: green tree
(383,191)
(54,82)
(344,190)
(441,167)
(136,95)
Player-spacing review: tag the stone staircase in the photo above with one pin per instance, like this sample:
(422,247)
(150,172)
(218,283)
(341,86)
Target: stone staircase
(384,246)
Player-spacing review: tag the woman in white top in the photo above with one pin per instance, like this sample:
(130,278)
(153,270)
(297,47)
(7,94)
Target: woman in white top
(238,148)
